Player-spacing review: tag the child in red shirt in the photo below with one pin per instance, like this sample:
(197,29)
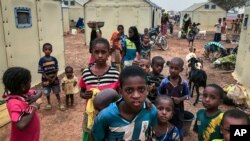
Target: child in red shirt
(22,105)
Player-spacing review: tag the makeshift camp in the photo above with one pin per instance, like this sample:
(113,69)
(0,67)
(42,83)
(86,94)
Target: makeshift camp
(25,25)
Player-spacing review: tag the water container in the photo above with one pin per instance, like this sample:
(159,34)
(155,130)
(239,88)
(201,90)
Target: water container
(188,118)
(73,31)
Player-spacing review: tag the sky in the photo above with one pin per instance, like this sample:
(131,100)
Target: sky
(176,5)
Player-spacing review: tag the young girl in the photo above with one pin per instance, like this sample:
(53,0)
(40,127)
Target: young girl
(164,130)
(69,85)
(22,105)
(99,76)
(95,33)
(131,47)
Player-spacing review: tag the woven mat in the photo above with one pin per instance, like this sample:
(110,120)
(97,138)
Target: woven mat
(4,115)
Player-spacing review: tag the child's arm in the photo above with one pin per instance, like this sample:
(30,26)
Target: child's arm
(195,129)
(178,100)
(26,119)
(63,86)
(75,83)
(34,98)
(86,94)
(54,76)
(161,88)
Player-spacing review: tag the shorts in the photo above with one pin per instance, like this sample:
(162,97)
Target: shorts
(55,89)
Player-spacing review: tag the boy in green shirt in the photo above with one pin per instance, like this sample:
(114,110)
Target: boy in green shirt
(207,124)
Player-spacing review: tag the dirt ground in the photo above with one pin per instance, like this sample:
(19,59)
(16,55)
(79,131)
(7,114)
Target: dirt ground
(66,125)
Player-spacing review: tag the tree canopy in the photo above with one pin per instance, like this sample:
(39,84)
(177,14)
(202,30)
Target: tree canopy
(229,4)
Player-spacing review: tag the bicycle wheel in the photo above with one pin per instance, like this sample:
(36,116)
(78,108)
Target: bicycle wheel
(164,44)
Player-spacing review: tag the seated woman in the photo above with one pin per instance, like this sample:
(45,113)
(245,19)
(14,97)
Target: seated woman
(215,48)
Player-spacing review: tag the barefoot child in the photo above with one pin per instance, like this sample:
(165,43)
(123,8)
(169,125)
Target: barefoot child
(48,67)
(97,77)
(25,122)
(164,130)
(232,117)
(128,118)
(176,88)
(207,124)
(69,85)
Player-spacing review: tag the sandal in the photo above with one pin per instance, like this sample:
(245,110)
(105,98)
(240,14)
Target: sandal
(62,108)
(48,107)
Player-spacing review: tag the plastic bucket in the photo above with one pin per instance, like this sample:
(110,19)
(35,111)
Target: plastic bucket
(73,31)
(187,122)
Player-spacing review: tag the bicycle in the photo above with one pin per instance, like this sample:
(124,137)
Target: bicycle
(160,41)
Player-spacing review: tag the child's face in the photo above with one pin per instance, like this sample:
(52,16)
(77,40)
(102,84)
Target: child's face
(145,65)
(134,92)
(100,53)
(120,30)
(146,31)
(145,39)
(225,128)
(211,99)
(26,87)
(175,69)
(47,50)
(157,67)
(165,110)
(131,33)
(69,73)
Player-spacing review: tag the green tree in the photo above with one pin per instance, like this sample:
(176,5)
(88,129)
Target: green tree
(229,4)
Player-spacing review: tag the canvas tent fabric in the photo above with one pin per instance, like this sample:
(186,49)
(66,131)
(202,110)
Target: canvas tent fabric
(194,6)
(141,13)
(242,67)
(205,13)
(22,46)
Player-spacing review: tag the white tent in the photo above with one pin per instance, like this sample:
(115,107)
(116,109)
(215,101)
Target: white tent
(25,25)
(206,13)
(241,72)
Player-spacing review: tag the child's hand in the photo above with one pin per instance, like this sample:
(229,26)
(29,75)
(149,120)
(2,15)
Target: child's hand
(53,79)
(149,104)
(75,83)
(34,98)
(177,100)
(135,63)
(87,94)
(35,105)
(152,87)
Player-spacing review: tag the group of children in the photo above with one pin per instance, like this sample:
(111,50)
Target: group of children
(131,117)
(125,50)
